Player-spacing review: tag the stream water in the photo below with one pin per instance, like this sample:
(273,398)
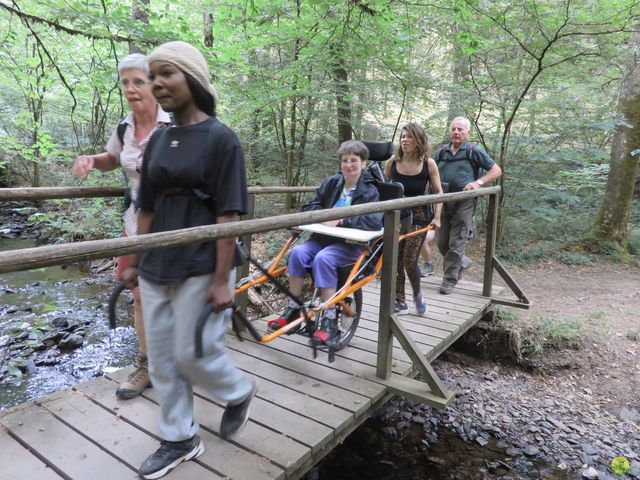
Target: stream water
(44,295)
(39,297)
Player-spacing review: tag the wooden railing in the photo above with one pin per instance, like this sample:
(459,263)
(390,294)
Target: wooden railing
(389,326)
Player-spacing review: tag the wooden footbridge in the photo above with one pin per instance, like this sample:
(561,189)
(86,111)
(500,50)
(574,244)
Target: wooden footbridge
(304,407)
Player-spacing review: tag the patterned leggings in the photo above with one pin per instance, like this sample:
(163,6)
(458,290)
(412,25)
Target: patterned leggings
(408,253)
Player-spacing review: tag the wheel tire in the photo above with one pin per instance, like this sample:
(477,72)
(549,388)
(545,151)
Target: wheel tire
(347,325)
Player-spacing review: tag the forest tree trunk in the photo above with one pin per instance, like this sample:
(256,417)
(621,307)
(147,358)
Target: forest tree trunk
(611,224)
(343,104)
(139,13)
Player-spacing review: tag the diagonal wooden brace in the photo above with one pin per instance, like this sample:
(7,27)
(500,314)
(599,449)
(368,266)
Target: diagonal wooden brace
(419,361)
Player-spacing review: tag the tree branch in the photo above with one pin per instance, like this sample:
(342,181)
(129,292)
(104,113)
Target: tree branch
(71,31)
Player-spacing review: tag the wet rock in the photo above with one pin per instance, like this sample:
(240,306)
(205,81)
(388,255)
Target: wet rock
(70,341)
(390,432)
(59,322)
(48,358)
(483,442)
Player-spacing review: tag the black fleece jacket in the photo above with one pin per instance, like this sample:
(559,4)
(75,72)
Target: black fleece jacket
(328,193)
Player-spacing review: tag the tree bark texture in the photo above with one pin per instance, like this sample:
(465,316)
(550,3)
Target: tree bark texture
(139,14)
(611,223)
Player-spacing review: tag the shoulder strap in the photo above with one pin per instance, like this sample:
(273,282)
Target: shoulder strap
(473,161)
(425,163)
(438,155)
(122,127)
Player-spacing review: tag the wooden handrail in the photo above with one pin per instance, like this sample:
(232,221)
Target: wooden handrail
(53,193)
(37,257)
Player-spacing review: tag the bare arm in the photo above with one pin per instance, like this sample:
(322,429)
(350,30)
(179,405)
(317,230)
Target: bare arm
(492,174)
(83,164)
(436,187)
(219,293)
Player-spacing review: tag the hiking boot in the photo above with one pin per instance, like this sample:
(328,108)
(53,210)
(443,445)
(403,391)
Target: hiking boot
(328,328)
(421,306)
(289,315)
(169,456)
(447,287)
(401,308)
(236,416)
(137,381)
(427,269)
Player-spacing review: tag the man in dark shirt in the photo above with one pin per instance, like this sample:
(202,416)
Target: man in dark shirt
(459,163)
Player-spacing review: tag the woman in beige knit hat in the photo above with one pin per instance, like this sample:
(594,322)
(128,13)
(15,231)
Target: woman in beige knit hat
(192,174)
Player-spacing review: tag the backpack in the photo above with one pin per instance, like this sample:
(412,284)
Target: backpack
(469,158)
(126,199)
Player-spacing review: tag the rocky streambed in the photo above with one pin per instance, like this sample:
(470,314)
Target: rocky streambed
(505,424)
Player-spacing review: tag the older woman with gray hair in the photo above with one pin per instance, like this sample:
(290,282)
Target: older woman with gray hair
(125,149)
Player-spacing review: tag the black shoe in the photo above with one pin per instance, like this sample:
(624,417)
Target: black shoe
(235,416)
(328,328)
(169,456)
(289,315)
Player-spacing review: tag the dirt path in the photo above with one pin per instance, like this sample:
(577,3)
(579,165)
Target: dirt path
(594,388)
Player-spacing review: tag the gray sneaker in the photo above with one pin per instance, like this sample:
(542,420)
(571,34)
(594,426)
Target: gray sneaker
(236,416)
(169,456)
(421,306)
(427,269)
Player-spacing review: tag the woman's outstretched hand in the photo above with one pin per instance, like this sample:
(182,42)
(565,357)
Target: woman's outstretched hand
(83,165)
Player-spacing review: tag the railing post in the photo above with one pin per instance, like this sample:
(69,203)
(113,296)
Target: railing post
(490,249)
(387,293)
(243,270)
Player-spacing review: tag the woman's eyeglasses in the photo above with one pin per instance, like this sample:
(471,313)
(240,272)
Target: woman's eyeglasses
(137,84)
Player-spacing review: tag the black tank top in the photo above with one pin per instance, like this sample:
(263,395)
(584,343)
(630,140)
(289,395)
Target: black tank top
(414,185)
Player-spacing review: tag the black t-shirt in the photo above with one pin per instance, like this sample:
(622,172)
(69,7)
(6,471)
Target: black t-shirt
(186,183)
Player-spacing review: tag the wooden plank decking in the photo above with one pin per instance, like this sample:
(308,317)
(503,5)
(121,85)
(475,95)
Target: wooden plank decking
(304,407)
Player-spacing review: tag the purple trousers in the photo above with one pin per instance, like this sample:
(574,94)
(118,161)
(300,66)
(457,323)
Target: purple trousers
(323,259)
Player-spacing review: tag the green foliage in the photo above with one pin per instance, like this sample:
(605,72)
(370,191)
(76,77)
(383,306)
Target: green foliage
(86,219)
(547,331)
(575,258)
(634,335)
(506,315)
(540,80)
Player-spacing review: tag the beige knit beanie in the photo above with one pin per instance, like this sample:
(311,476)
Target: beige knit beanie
(188,59)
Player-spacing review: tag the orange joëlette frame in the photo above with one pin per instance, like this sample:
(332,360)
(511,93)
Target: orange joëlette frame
(338,298)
